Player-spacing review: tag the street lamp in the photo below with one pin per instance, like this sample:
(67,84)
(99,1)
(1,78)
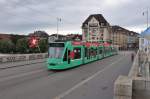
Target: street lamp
(58,20)
(146,12)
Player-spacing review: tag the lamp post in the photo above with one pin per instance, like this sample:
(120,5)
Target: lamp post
(146,12)
(58,20)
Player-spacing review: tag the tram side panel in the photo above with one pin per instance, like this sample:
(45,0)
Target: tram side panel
(101,54)
(76,55)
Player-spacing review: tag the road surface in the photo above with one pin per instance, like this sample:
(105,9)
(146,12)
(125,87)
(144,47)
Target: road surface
(90,81)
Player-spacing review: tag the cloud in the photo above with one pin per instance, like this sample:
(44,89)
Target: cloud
(24,16)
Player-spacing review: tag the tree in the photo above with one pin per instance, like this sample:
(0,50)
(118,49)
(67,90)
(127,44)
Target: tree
(22,45)
(15,38)
(41,34)
(6,46)
(43,45)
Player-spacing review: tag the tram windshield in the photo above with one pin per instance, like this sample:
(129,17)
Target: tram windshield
(56,50)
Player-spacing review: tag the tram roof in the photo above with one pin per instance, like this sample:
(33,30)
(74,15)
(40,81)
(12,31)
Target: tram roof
(87,44)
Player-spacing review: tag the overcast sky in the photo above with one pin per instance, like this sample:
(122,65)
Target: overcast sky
(25,16)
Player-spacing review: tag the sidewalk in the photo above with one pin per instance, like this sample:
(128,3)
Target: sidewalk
(143,94)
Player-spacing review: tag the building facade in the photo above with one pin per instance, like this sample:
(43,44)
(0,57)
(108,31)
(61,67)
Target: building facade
(5,36)
(133,40)
(124,38)
(95,28)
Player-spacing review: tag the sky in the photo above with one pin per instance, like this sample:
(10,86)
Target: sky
(26,16)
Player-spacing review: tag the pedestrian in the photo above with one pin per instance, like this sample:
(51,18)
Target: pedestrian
(132,57)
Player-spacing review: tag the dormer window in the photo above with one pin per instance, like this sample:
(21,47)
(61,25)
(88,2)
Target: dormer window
(102,24)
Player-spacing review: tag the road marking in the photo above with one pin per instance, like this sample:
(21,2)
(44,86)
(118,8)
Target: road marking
(85,81)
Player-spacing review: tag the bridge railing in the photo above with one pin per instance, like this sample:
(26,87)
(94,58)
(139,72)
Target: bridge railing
(137,81)
(135,67)
(22,57)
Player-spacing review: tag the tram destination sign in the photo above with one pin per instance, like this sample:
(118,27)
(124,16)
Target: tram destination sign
(56,44)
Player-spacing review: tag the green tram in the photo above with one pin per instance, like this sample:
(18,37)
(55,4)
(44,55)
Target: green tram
(64,55)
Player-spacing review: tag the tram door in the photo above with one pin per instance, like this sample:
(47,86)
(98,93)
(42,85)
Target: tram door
(83,51)
(68,56)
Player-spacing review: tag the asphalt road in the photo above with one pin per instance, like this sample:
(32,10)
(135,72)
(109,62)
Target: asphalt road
(90,81)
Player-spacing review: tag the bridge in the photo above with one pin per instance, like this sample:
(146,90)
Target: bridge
(30,79)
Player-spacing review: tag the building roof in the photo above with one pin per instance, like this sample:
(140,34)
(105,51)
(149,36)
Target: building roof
(13,37)
(5,36)
(118,28)
(98,17)
(135,33)
(146,32)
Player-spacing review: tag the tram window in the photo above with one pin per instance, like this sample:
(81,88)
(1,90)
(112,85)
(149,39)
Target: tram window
(77,52)
(65,56)
(111,49)
(85,52)
(104,50)
(96,51)
(100,51)
(88,53)
(91,52)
